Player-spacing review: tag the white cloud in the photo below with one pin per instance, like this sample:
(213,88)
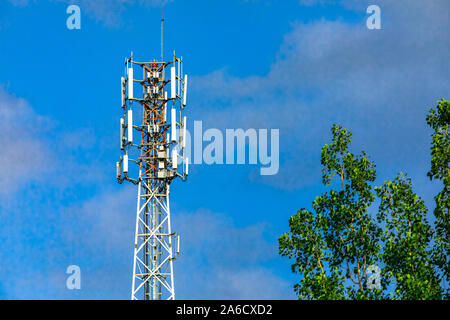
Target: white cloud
(250,284)
(379,84)
(37,149)
(107,12)
(107,218)
(23,155)
(346,3)
(19,3)
(220,260)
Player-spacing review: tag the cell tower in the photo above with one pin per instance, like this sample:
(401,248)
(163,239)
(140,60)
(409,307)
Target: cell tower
(152,165)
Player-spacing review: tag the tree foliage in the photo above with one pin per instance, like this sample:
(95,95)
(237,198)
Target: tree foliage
(336,245)
(406,239)
(439,120)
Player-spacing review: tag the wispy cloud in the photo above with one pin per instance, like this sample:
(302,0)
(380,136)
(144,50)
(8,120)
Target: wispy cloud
(223,261)
(219,259)
(38,150)
(346,3)
(379,84)
(23,156)
(41,186)
(107,12)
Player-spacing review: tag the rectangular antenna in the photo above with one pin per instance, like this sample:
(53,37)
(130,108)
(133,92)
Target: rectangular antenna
(122,90)
(130,83)
(122,125)
(173,93)
(174,125)
(185,89)
(130,126)
(179,78)
(174,158)
(125,165)
(165,106)
(183,142)
(118,170)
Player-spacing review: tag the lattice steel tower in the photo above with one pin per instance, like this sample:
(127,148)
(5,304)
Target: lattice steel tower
(152,164)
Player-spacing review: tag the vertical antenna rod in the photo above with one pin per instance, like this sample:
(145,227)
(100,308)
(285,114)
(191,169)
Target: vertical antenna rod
(162,22)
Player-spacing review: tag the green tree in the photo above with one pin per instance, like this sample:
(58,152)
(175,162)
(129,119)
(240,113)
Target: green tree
(334,246)
(312,258)
(439,120)
(406,240)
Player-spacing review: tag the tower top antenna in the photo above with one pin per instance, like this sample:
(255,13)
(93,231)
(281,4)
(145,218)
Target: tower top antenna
(162,22)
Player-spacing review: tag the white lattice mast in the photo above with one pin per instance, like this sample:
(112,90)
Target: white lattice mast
(152,164)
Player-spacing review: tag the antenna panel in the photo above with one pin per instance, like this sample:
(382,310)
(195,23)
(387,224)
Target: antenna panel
(174,125)
(185,89)
(174,159)
(130,126)
(125,164)
(173,84)
(165,106)
(130,83)
(118,170)
(123,89)
(183,142)
(122,125)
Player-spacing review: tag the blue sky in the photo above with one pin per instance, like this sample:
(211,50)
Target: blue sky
(297,66)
